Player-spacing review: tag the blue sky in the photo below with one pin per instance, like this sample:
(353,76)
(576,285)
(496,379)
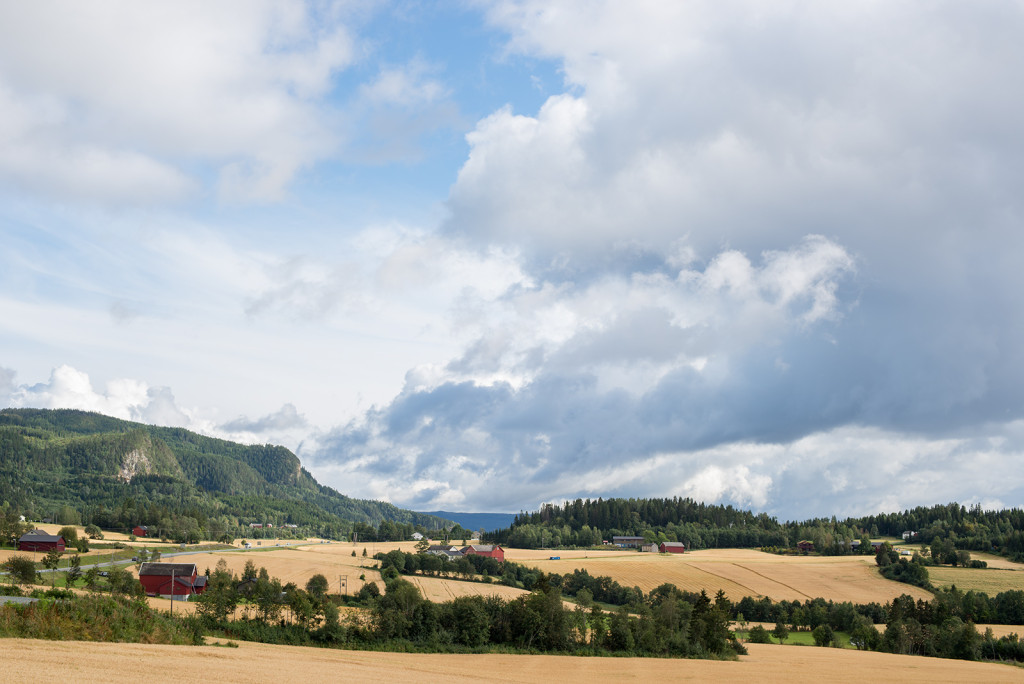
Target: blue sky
(483,255)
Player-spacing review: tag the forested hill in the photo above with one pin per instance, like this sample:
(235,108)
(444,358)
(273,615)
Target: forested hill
(700,525)
(116,473)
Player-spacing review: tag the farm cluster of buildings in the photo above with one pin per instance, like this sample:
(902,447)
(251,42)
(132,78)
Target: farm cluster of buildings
(625,542)
(448,551)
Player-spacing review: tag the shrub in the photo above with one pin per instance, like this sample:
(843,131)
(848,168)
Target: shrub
(759,635)
(21,569)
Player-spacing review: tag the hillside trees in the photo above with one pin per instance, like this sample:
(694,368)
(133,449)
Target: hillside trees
(83,467)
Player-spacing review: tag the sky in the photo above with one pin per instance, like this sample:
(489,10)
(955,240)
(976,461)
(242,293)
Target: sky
(481,255)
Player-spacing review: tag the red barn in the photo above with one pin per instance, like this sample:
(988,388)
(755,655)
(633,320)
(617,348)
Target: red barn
(805,545)
(672,547)
(491,551)
(37,540)
(164,579)
(140,531)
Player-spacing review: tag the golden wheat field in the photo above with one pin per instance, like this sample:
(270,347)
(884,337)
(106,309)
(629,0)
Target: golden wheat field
(738,572)
(335,561)
(250,662)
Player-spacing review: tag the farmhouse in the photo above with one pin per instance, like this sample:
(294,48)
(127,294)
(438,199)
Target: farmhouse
(805,545)
(489,550)
(446,550)
(140,531)
(672,547)
(627,542)
(37,540)
(417,536)
(166,579)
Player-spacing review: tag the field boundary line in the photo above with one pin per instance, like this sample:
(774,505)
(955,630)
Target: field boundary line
(723,579)
(772,579)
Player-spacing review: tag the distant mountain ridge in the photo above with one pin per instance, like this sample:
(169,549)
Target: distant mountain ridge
(114,471)
(475,521)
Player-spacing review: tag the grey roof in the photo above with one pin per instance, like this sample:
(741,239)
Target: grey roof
(39,536)
(674,545)
(627,538)
(165,569)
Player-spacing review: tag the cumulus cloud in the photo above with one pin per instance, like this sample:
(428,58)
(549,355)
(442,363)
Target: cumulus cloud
(70,388)
(286,418)
(135,400)
(606,374)
(674,307)
(655,205)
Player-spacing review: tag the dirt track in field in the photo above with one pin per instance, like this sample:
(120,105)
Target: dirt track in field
(114,663)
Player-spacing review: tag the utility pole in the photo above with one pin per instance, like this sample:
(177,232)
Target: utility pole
(172,591)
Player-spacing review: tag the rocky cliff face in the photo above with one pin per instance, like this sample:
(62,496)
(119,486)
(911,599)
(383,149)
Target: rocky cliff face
(135,462)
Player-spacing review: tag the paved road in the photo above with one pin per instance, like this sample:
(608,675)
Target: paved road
(23,600)
(106,564)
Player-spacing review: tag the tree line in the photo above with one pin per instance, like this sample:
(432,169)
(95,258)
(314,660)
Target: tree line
(589,522)
(400,618)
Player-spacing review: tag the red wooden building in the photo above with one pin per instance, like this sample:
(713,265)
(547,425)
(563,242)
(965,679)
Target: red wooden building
(672,547)
(37,540)
(181,580)
(140,531)
(489,550)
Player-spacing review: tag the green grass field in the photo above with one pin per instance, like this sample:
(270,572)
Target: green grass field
(987,580)
(799,638)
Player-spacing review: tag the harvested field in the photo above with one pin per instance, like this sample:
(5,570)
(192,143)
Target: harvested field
(738,572)
(1002,630)
(991,581)
(334,560)
(94,662)
(440,590)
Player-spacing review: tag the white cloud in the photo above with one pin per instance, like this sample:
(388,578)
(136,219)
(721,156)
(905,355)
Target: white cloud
(135,400)
(408,85)
(118,103)
(563,381)
(70,388)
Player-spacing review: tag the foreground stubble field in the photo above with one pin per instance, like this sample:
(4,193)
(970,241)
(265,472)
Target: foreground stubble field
(110,663)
